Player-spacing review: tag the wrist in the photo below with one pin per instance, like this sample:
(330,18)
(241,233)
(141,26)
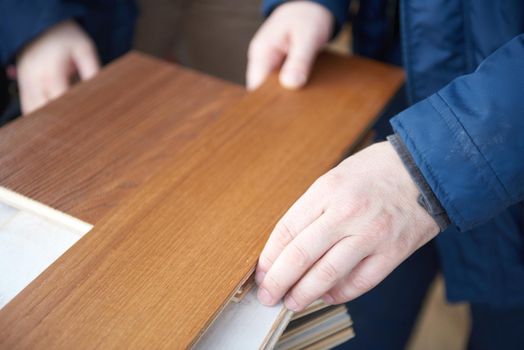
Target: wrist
(426,197)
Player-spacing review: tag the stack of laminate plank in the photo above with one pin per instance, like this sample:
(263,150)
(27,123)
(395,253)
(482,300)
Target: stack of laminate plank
(318,327)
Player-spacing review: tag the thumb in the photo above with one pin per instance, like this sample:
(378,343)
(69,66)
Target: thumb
(295,71)
(86,61)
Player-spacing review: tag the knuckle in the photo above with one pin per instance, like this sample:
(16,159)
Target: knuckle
(340,295)
(358,245)
(265,261)
(383,223)
(328,273)
(374,237)
(362,283)
(272,284)
(298,255)
(401,247)
(286,233)
(351,209)
(379,227)
(331,181)
(302,297)
(359,207)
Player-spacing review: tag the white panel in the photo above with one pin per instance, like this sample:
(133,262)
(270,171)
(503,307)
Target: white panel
(31,238)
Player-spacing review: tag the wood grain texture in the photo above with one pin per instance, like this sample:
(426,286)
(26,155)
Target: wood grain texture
(85,152)
(157,269)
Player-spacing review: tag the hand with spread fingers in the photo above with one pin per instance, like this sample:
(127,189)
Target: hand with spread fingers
(291,36)
(350,229)
(45,67)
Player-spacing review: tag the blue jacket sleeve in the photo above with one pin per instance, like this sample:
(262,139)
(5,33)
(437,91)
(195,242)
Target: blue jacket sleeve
(23,20)
(339,9)
(109,22)
(468,141)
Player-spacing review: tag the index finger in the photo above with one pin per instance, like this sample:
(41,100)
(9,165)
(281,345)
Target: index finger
(297,258)
(308,208)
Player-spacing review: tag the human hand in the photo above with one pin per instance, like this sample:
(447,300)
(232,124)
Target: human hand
(350,229)
(293,34)
(47,65)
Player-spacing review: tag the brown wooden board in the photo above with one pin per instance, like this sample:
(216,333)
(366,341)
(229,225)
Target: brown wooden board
(86,151)
(158,268)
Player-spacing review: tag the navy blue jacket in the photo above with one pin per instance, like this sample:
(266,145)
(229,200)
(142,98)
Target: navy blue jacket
(465,75)
(110,23)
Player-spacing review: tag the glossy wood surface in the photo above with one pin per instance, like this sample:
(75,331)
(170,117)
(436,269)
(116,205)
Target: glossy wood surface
(156,270)
(87,151)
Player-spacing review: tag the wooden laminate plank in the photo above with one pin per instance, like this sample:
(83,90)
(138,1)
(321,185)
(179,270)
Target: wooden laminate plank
(85,152)
(158,269)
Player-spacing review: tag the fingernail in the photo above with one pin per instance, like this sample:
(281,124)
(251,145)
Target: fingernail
(293,80)
(291,304)
(259,277)
(328,299)
(264,297)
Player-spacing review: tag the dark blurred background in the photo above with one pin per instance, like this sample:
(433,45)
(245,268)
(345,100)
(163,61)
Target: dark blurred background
(208,35)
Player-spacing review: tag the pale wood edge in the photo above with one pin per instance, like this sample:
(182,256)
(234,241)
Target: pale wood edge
(244,288)
(315,306)
(21,202)
(316,321)
(333,340)
(231,299)
(320,337)
(278,328)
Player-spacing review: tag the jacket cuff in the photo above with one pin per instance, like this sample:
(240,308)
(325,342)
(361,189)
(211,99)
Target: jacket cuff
(427,198)
(451,163)
(338,8)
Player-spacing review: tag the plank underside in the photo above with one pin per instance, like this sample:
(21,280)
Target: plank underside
(244,325)
(165,259)
(32,237)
